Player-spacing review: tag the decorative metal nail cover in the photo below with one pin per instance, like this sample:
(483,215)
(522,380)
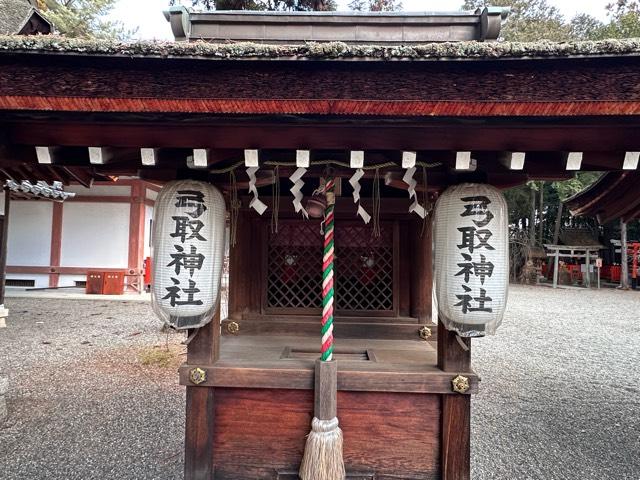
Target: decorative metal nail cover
(188,252)
(471,258)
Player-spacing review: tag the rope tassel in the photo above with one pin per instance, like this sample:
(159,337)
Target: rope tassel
(323,452)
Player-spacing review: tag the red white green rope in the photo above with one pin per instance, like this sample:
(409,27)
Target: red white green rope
(327,274)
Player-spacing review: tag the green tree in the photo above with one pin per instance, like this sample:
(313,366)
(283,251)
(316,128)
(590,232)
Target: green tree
(84,18)
(376,5)
(585,27)
(529,20)
(625,20)
(281,5)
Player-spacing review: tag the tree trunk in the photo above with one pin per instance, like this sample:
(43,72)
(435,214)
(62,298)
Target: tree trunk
(556,230)
(624,270)
(541,214)
(532,218)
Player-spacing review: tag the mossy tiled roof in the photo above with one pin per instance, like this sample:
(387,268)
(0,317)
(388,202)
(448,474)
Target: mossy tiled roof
(54,44)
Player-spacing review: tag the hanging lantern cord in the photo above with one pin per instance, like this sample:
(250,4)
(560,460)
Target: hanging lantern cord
(327,273)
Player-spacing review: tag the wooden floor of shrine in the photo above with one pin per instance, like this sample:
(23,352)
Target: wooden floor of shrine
(253,361)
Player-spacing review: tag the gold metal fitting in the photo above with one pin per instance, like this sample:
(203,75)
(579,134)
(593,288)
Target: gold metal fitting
(198,376)
(233,328)
(460,384)
(425,333)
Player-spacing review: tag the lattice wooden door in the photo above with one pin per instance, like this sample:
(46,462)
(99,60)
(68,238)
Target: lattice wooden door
(364,269)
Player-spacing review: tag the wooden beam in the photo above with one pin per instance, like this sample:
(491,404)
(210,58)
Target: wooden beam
(80,175)
(395,180)
(409,159)
(200,158)
(263,178)
(356,159)
(631,161)
(302,158)
(251,158)
(464,162)
(58,174)
(513,160)
(48,269)
(99,155)
(573,161)
(45,155)
(149,156)
(449,136)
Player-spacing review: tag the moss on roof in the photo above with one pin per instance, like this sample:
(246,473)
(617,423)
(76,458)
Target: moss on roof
(329,51)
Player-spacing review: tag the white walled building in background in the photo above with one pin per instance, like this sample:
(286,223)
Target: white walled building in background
(106,227)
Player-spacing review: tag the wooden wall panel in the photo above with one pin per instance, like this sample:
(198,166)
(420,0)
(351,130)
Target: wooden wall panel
(260,433)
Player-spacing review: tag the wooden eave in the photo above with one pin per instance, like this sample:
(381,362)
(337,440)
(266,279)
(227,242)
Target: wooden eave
(542,107)
(614,196)
(489,88)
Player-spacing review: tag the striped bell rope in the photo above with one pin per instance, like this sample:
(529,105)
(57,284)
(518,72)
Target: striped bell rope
(327,274)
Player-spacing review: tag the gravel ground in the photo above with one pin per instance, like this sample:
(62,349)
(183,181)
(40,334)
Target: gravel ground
(560,391)
(81,405)
(559,397)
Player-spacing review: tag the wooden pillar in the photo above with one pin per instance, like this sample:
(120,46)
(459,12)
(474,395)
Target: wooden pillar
(421,272)
(588,266)
(4,237)
(624,265)
(203,350)
(56,242)
(455,455)
(246,267)
(136,230)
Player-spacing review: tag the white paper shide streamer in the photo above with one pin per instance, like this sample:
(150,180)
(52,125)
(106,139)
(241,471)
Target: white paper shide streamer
(355,184)
(296,190)
(257,204)
(188,253)
(471,258)
(411,182)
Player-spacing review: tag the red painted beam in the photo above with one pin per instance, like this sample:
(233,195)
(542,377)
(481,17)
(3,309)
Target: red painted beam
(58,270)
(400,108)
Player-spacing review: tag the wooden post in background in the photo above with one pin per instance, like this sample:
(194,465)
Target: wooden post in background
(4,238)
(56,242)
(455,453)
(204,350)
(624,265)
(137,221)
(421,272)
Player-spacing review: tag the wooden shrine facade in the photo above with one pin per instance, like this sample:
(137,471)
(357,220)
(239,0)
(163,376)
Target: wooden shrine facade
(497,113)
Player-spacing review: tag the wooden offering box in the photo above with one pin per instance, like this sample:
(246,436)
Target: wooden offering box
(250,391)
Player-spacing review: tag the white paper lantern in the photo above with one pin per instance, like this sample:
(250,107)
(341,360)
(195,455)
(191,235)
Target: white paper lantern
(471,258)
(188,253)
